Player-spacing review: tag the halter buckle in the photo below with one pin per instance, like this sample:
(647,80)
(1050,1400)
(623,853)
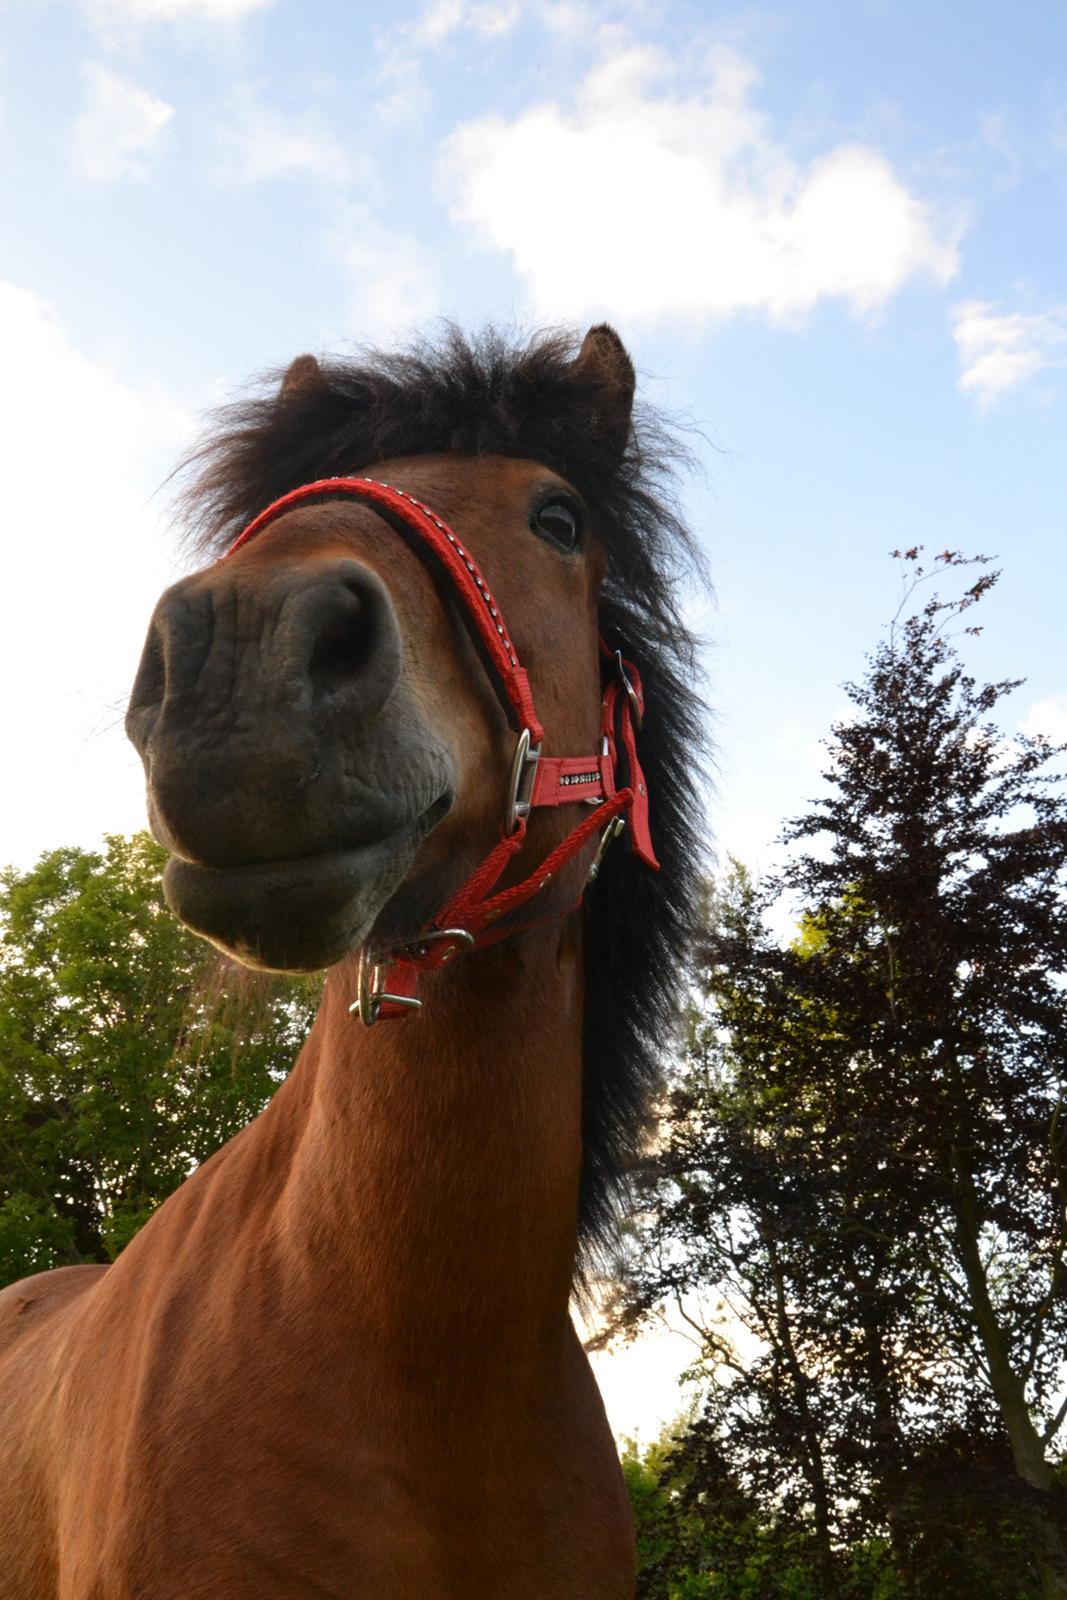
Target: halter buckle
(523,774)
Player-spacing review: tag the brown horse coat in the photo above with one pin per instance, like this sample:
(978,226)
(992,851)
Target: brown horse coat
(339,1360)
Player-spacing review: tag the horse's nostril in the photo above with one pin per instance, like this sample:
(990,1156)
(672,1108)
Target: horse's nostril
(350,638)
(345,641)
(441,807)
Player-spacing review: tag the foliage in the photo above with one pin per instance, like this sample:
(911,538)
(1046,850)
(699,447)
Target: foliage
(862,1161)
(123,1061)
(699,1537)
(962,1483)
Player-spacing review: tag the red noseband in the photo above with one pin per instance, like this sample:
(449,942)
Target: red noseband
(611,780)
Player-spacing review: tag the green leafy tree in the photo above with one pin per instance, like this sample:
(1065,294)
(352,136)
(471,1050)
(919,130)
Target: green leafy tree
(864,1157)
(701,1536)
(127,1053)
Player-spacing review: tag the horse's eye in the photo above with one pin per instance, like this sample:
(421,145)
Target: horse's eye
(560,522)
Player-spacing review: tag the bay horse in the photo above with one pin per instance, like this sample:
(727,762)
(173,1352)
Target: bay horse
(391,730)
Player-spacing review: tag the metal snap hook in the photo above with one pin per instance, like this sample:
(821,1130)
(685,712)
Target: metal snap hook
(627,683)
(616,826)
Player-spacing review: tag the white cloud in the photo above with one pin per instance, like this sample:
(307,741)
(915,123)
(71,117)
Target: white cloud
(995,135)
(116,134)
(84,559)
(569,20)
(1048,717)
(402,48)
(393,284)
(999,351)
(146,11)
(257,143)
(487,19)
(648,200)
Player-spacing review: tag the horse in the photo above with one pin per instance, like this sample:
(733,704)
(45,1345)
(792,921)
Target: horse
(433,668)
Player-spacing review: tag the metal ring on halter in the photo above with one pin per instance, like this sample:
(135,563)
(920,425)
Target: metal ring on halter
(371,991)
(523,774)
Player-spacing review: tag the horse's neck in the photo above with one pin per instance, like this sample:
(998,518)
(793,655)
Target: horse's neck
(433,1186)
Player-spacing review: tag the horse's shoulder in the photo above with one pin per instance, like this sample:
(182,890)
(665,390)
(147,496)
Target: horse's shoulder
(26,1303)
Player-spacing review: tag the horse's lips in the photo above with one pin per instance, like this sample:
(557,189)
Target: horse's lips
(295,915)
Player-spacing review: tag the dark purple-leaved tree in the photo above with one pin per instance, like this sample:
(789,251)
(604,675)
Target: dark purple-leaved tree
(863,1158)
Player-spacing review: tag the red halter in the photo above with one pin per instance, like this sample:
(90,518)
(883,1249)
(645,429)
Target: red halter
(388,979)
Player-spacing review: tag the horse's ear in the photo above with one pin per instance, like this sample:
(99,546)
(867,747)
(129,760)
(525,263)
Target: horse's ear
(603,367)
(301,375)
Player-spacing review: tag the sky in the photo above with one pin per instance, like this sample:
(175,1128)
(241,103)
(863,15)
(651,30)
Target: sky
(832,235)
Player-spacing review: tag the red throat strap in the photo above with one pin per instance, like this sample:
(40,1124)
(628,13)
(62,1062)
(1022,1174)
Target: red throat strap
(610,782)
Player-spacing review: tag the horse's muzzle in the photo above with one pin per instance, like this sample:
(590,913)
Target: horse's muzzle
(289,771)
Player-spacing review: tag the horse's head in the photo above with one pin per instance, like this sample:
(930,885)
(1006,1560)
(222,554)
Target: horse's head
(326,752)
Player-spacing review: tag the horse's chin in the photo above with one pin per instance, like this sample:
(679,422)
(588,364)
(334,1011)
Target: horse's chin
(299,915)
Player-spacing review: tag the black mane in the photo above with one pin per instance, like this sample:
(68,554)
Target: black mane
(494,395)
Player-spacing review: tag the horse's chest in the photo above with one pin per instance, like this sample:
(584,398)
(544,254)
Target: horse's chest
(383,1543)
(270,1502)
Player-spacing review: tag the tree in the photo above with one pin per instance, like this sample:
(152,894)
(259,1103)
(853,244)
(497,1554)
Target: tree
(692,1547)
(700,1536)
(865,1151)
(125,1059)
(745,1200)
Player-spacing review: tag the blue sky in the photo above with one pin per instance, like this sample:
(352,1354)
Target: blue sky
(833,236)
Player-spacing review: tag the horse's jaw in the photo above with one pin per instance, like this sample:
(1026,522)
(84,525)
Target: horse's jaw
(297,915)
